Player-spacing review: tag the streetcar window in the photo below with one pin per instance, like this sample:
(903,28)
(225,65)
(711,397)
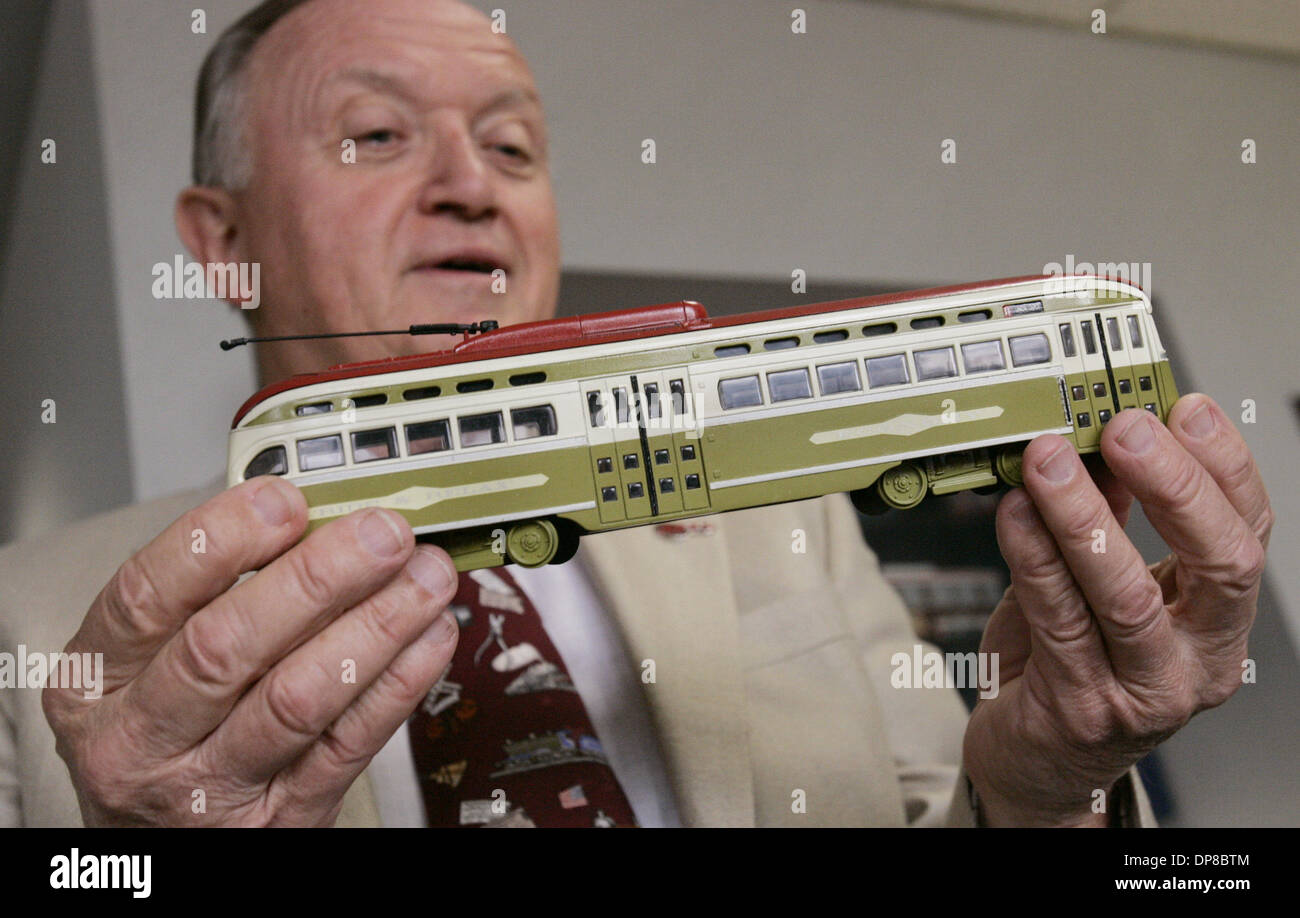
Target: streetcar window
(883,328)
(740,392)
(1067,339)
(677,389)
(935,363)
(527,379)
(975,315)
(830,337)
(369,401)
(428,437)
(622,408)
(982,356)
(474,385)
(1030,349)
(314,408)
(482,429)
(788,385)
(1134,334)
(320,453)
(839,377)
(537,421)
(731,350)
(652,399)
(369,445)
(596,409)
(1089,342)
(1112,326)
(886,371)
(411,395)
(271,461)
(927,322)
(780,344)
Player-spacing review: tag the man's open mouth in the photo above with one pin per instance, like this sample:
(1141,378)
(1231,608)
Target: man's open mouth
(470,264)
(465,264)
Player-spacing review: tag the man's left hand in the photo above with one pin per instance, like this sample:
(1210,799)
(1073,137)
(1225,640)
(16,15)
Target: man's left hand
(1102,657)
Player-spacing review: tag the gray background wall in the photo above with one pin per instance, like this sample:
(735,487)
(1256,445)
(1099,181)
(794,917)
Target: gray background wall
(775,151)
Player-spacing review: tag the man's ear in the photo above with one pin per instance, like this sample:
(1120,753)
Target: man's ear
(206,222)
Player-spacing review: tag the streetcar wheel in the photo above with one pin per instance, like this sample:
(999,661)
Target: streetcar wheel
(1009,464)
(533,543)
(903,486)
(866,500)
(569,536)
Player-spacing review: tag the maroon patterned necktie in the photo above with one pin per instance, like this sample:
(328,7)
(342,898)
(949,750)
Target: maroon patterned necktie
(504,739)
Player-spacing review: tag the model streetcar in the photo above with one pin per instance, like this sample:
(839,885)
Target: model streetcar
(516,442)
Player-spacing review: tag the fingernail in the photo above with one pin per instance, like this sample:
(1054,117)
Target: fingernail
(429,571)
(381,534)
(1138,435)
(441,630)
(1200,422)
(1059,466)
(272,506)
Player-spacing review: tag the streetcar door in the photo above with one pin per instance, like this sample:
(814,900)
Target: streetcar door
(617,456)
(676,465)
(1087,381)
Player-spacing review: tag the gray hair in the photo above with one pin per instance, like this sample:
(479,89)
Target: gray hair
(222,156)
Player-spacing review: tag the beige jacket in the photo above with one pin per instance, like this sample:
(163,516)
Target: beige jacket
(772,668)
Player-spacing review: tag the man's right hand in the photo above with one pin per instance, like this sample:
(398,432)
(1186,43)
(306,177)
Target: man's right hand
(257,703)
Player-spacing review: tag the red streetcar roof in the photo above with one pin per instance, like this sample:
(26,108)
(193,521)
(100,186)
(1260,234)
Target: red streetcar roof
(593,328)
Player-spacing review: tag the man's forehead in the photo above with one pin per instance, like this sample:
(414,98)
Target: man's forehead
(392,46)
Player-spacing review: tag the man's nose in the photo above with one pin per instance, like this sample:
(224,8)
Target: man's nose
(460,180)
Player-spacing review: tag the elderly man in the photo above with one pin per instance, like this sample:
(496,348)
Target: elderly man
(377,159)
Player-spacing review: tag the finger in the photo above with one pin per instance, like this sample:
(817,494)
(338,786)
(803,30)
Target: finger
(1060,624)
(1202,429)
(289,708)
(1007,634)
(1217,551)
(194,560)
(344,750)
(1110,572)
(1118,497)
(195,680)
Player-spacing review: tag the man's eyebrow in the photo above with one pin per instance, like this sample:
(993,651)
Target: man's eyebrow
(395,86)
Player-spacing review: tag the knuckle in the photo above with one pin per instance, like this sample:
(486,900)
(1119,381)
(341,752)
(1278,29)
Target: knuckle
(1239,471)
(343,753)
(293,704)
(132,595)
(1238,574)
(210,652)
(310,572)
(1264,522)
(401,685)
(1084,516)
(1183,482)
(1219,690)
(1138,602)
(385,618)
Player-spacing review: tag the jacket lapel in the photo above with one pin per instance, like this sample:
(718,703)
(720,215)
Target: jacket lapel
(672,599)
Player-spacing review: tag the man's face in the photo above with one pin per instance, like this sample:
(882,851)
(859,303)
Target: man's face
(450,179)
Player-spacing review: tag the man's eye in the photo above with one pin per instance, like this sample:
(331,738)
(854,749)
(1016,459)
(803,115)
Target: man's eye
(380,136)
(512,151)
